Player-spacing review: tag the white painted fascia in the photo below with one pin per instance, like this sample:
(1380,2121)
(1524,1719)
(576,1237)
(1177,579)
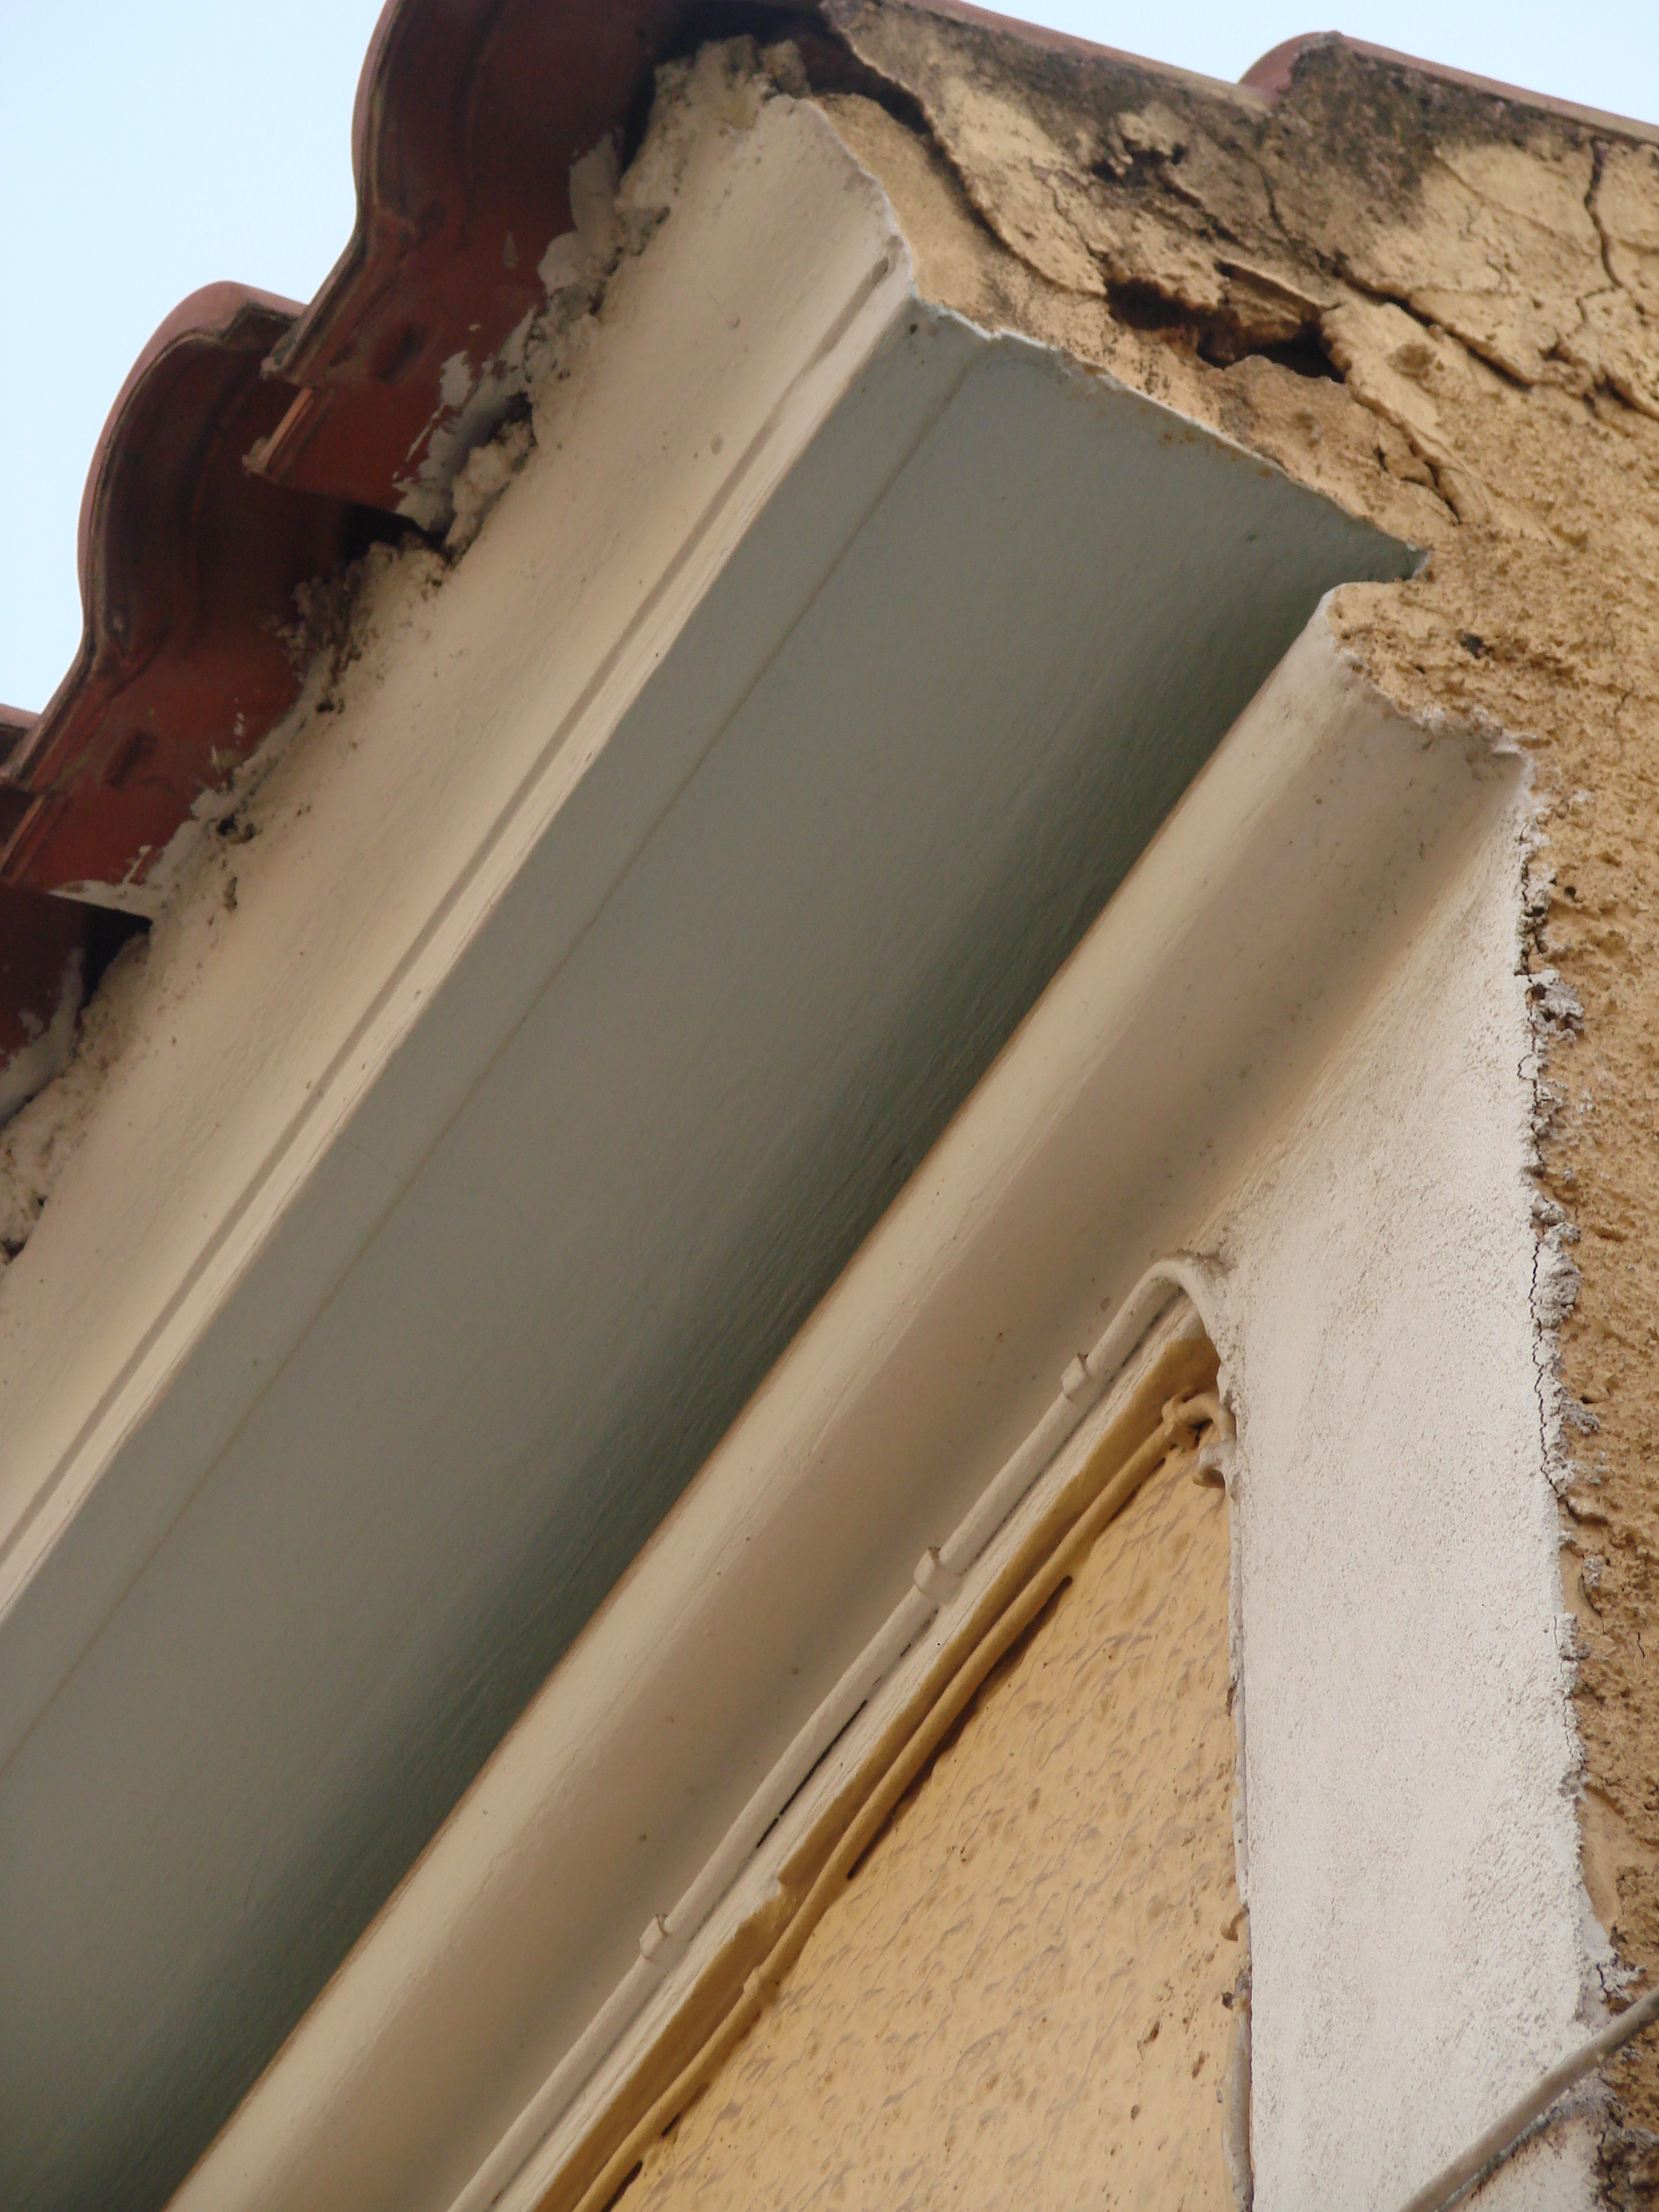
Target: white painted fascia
(1166,1062)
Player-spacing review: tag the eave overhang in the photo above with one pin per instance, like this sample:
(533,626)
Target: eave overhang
(649,914)
(633,1823)
(293,433)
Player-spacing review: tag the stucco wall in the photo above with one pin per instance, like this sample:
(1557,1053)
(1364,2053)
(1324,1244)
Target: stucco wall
(1443,308)
(1023,1996)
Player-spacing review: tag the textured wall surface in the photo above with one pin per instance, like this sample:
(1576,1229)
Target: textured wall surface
(1019,2000)
(1442,308)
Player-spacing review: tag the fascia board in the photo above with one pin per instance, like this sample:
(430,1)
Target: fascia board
(406,865)
(1177,1038)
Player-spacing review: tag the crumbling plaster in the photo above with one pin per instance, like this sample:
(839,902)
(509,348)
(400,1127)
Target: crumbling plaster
(1441,309)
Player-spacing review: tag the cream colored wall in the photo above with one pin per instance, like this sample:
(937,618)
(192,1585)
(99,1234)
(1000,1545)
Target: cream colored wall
(1021,1997)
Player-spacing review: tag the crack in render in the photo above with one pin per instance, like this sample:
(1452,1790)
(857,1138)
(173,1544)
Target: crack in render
(1434,466)
(1271,196)
(833,65)
(1433,329)
(1598,164)
(1538,1354)
(1604,379)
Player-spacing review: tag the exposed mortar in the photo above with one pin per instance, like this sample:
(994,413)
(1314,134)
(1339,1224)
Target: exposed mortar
(1441,309)
(39,1141)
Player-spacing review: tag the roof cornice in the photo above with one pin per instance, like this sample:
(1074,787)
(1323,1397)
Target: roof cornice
(468,117)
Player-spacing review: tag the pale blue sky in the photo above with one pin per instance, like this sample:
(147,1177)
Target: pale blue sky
(148,149)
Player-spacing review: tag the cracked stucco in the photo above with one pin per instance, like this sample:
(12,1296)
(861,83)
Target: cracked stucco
(1441,309)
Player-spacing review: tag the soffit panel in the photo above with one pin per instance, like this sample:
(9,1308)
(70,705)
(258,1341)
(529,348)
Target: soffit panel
(894,806)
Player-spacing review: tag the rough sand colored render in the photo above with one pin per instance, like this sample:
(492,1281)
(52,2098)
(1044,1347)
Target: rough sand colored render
(1023,1995)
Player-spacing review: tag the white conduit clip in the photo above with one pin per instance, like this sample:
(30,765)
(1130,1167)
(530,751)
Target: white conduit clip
(657,1948)
(934,1579)
(1504,2135)
(1076,1383)
(938,1576)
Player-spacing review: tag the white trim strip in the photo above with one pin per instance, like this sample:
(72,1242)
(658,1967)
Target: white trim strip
(528,2158)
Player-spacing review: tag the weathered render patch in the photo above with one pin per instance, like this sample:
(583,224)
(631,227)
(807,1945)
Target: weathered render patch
(1438,307)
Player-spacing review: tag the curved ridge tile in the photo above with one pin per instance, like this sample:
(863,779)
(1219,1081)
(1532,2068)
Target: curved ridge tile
(188,565)
(468,115)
